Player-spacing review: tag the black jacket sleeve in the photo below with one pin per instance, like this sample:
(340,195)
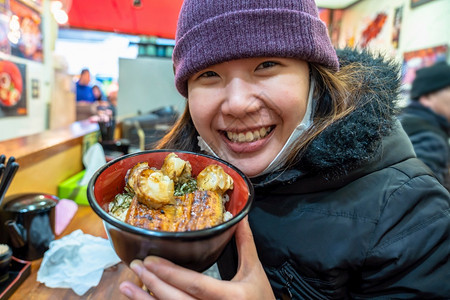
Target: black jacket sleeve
(409,257)
(432,149)
(227,262)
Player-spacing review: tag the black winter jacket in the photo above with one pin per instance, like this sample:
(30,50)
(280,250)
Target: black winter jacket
(429,134)
(359,217)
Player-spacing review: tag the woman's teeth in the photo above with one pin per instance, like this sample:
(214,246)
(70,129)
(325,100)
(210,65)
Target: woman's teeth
(249,136)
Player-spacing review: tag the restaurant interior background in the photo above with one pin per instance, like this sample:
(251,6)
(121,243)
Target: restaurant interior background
(107,37)
(44,44)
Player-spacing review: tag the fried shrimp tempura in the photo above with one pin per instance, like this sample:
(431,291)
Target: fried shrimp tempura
(154,189)
(214,178)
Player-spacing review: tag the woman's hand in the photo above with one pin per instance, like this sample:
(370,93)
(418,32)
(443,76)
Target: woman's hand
(166,280)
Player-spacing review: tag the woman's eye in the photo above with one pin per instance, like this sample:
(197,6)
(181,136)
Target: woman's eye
(208,74)
(266,64)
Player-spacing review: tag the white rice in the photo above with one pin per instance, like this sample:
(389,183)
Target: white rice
(227,215)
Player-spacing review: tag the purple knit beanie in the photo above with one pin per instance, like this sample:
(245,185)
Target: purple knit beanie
(214,31)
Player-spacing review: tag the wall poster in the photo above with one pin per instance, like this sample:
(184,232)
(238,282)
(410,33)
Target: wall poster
(397,25)
(13,100)
(25,33)
(4,27)
(373,29)
(414,60)
(418,59)
(335,25)
(332,19)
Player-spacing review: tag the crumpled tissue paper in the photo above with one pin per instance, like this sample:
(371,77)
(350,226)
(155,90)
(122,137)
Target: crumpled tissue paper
(76,261)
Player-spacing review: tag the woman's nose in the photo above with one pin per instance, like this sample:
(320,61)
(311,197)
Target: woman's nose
(240,98)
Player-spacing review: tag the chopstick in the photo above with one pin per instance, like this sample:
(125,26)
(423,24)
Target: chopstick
(2,169)
(10,171)
(11,159)
(2,165)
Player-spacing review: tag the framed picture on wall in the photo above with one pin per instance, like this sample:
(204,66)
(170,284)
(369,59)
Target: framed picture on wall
(26,38)
(335,26)
(414,60)
(373,29)
(13,98)
(396,26)
(415,3)
(418,59)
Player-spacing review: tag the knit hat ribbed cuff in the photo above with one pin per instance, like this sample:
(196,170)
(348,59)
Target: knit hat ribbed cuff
(252,33)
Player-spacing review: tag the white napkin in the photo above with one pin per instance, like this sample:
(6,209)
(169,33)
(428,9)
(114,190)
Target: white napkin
(93,159)
(76,261)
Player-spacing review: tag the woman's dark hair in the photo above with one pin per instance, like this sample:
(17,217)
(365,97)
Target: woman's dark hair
(182,136)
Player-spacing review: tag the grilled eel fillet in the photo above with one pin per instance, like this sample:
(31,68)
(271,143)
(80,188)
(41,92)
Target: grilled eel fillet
(194,211)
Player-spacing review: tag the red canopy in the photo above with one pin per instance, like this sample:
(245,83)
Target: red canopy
(153,17)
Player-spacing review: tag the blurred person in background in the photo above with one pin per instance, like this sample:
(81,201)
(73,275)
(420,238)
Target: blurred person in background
(84,88)
(98,94)
(426,119)
(113,91)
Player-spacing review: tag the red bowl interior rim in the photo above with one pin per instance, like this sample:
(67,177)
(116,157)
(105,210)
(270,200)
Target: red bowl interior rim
(111,168)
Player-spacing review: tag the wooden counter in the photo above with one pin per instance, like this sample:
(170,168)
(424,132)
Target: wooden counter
(108,288)
(48,158)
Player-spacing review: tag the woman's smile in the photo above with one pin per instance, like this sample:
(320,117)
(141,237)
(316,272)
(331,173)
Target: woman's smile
(247,140)
(248,136)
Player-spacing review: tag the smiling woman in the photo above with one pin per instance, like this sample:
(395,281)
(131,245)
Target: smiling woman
(332,169)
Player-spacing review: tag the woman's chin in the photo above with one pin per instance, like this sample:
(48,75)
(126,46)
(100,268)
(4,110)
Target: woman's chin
(249,170)
(251,164)
(251,158)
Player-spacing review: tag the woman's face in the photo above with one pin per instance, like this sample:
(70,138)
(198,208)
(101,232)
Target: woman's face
(246,109)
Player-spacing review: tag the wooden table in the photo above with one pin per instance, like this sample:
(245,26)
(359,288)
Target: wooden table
(59,150)
(108,288)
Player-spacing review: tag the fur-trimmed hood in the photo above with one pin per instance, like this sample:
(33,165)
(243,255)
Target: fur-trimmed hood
(355,139)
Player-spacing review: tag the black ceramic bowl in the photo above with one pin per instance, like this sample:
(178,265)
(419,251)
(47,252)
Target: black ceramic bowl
(5,259)
(196,250)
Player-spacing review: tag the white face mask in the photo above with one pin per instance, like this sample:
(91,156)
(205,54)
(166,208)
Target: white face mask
(282,156)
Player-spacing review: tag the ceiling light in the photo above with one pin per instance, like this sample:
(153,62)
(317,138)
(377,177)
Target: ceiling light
(55,5)
(59,9)
(61,17)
